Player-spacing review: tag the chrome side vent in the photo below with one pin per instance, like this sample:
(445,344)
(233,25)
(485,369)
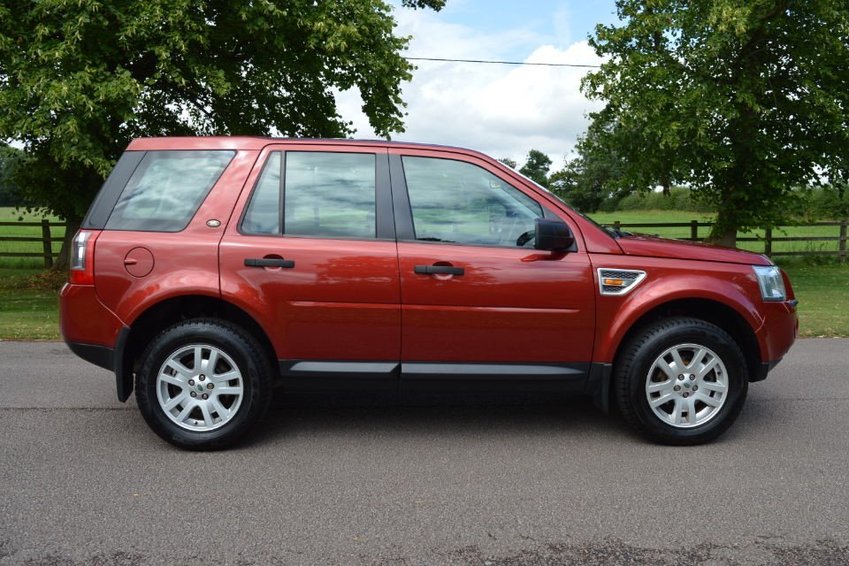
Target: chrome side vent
(618,281)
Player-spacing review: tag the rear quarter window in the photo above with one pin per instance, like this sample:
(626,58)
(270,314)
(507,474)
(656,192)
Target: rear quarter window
(166,189)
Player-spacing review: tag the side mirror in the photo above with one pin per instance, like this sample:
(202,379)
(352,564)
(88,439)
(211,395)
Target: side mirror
(553,235)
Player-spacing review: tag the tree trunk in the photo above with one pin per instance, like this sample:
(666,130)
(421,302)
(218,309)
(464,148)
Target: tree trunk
(62,263)
(723,236)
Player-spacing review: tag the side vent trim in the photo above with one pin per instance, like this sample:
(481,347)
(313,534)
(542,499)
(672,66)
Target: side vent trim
(617,282)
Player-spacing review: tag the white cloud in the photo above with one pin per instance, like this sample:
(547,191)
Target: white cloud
(501,110)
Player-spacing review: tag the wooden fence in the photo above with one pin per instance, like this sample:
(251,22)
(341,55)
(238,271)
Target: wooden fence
(769,238)
(47,239)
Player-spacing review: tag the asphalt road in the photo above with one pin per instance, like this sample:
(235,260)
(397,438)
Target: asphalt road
(82,480)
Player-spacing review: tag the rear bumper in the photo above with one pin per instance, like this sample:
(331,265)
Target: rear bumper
(95,334)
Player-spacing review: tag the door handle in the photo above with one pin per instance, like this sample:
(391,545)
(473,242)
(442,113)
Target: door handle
(269,262)
(438,269)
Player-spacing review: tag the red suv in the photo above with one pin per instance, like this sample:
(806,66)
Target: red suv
(209,271)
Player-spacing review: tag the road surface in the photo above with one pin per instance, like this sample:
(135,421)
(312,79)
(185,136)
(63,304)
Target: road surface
(83,481)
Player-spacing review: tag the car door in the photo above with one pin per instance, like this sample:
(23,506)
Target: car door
(313,259)
(477,298)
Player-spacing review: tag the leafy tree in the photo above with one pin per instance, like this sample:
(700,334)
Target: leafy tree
(508,162)
(741,100)
(9,159)
(596,174)
(536,167)
(79,80)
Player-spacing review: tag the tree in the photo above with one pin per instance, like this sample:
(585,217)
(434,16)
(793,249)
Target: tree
(79,80)
(9,159)
(536,167)
(508,162)
(596,174)
(741,100)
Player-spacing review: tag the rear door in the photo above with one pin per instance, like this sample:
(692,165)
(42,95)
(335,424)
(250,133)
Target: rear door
(311,254)
(477,298)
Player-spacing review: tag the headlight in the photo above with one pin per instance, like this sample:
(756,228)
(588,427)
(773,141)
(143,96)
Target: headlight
(770,282)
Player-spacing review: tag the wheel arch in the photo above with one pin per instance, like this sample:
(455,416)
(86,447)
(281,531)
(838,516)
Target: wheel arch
(168,312)
(709,310)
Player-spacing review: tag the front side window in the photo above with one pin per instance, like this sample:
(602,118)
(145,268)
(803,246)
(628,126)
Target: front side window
(329,194)
(457,202)
(166,190)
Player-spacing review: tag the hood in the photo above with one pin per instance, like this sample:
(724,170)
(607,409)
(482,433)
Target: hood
(653,246)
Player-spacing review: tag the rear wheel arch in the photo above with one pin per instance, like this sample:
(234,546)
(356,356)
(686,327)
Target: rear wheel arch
(171,311)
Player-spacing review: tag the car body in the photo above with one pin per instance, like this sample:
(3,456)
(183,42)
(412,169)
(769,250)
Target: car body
(393,265)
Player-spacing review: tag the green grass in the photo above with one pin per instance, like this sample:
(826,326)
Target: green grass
(29,304)
(9,214)
(823,293)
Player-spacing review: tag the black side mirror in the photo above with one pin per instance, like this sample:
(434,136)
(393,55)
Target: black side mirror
(553,235)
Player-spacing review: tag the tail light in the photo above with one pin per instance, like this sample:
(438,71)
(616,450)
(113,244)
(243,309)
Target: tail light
(82,258)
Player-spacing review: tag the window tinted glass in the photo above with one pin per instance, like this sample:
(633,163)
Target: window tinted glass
(263,214)
(453,201)
(330,194)
(166,190)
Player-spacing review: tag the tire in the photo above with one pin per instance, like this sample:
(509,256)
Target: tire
(681,381)
(192,407)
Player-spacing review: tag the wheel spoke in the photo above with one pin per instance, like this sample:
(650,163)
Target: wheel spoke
(174,380)
(678,412)
(198,358)
(224,377)
(666,368)
(697,358)
(187,408)
(663,399)
(707,400)
(209,364)
(174,402)
(714,386)
(691,410)
(679,363)
(228,390)
(707,368)
(207,416)
(658,387)
(179,368)
(219,408)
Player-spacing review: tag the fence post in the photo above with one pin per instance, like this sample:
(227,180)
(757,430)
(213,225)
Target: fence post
(768,242)
(47,243)
(617,226)
(694,230)
(841,245)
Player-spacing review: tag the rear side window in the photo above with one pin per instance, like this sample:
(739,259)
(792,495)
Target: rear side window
(324,194)
(166,190)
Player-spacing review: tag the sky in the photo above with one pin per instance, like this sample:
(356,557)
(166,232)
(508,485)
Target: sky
(501,110)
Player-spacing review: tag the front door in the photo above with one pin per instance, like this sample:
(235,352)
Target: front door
(477,298)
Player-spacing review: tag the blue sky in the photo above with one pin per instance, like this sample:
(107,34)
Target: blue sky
(501,110)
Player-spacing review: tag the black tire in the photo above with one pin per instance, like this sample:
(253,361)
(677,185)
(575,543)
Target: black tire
(248,406)
(637,359)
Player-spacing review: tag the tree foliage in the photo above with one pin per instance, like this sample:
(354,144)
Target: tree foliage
(536,167)
(79,80)
(741,100)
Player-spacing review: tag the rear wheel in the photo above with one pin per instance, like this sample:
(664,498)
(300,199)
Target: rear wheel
(203,384)
(681,381)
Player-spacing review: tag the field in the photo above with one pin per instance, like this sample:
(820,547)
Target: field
(29,301)
(8,214)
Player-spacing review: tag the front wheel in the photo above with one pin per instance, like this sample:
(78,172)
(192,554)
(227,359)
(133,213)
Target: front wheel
(203,384)
(681,381)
